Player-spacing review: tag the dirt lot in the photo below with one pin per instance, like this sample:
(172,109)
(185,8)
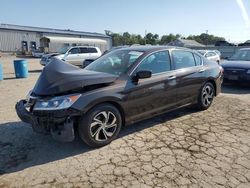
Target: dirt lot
(184,148)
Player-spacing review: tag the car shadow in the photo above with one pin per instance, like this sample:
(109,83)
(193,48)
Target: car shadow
(235,88)
(21,148)
(35,71)
(27,57)
(10,78)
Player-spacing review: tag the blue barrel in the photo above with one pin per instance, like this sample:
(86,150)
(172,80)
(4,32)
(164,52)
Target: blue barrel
(21,68)
(1,72)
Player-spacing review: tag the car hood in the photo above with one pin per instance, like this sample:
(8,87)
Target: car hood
(236,64)
(60,77)
(50,55)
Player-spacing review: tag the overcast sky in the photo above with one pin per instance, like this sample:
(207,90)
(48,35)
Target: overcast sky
(226,18)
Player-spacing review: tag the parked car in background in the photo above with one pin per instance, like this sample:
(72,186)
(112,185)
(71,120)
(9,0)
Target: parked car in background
(122,87)
(37,53)
(75,55)
(223,43)
(247,43)
(237,67)
(210,55)
(46,58)
(218,52)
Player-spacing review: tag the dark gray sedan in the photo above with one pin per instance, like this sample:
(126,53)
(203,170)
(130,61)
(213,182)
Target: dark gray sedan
(237,68)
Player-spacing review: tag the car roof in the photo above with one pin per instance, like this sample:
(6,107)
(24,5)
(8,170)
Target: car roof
(245,49)
(83,46)
(143,48)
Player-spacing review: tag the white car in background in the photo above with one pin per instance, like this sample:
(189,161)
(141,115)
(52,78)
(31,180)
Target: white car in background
(210,55)
(76,55)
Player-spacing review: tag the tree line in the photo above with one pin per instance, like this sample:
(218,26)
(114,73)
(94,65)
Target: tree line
(126,38)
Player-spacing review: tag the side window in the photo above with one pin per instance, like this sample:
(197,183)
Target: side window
(92,50)
(74,51)
(198,59)
(83,50)
(183,59)
(157,62)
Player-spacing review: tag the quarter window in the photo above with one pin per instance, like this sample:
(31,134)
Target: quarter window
(183,59)
(198,59)
(156,63)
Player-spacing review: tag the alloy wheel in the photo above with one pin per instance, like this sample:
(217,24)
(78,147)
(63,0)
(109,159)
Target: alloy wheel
(103,126)
(207,95)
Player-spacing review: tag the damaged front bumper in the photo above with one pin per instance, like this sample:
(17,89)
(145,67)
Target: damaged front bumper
(58,123)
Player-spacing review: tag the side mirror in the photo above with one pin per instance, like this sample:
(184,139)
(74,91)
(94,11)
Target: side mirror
(142,75)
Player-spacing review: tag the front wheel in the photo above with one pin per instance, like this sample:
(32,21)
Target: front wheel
(100,126)
(206,96)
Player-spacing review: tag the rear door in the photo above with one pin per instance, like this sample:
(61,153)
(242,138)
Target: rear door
(190,75)
(93,53)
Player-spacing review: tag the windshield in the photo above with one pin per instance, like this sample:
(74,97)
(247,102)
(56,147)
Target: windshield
(116,62)
(63,50)
(242,55)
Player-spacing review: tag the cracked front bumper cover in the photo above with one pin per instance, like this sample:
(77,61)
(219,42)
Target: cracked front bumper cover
(58,124)
(22,112)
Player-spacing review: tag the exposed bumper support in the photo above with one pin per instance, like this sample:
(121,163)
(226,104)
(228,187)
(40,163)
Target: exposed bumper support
(22,113)
(61,129)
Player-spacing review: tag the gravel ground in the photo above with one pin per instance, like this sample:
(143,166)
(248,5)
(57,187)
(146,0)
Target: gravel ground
(184,148)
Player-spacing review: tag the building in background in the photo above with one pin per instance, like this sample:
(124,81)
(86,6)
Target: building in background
(15,38)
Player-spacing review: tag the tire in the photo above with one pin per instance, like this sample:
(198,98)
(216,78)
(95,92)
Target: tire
(206,96)
(100,126)
(86,63)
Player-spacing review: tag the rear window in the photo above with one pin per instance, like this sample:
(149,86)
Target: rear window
(198,59)
(183,59)
(83,50)
(92,50)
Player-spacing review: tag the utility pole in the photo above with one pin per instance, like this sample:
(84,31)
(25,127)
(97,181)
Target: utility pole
(145,37)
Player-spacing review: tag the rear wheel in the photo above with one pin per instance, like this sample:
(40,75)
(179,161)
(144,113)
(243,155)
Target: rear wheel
(100,126)
(206,96)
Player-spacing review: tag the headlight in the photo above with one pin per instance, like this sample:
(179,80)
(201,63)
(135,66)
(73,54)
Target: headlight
(56,103)
(248,72)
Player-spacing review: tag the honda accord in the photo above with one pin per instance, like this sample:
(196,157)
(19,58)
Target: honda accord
(122,87)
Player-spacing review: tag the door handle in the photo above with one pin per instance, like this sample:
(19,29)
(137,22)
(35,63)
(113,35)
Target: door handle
(172,77)
(201,70)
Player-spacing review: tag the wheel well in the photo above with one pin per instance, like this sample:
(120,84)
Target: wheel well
(214,84)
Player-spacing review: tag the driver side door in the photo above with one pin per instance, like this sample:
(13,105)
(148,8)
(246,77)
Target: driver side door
(155,94)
